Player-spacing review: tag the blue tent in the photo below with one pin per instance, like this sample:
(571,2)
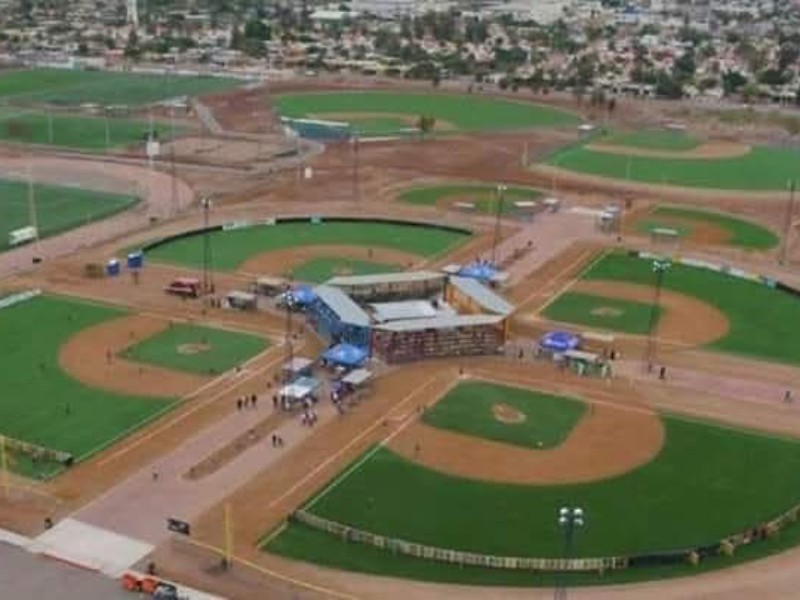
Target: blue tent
(559,341)
(481,270)
(302,295)
(346,355)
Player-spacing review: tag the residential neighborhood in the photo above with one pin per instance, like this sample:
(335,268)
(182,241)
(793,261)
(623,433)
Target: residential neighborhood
(745,50)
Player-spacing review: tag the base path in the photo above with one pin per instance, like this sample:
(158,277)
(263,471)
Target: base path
(90,356)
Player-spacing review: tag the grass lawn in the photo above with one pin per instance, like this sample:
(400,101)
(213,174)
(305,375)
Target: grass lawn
(83,133)
(464,112)
(484,196)
(196,349)
(651,140)
(761,169)
(707,482)
(467,408)
(743,233)
(232,248)
(58,208)
(72,87)
(602,312)
(36,392)
(319,270)
(763,322)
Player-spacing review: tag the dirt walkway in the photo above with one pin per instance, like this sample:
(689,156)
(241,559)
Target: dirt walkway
(84,357)
(616,434)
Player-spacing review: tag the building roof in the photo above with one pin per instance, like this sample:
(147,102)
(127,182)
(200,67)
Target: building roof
(481,294)
(347,310)
(400,311)
(379,278)
(443,322)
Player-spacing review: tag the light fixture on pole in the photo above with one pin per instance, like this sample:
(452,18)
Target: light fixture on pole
(501,189)
(659,267)
(570,518)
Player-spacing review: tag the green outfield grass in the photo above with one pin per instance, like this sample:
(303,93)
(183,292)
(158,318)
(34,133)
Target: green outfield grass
(652,140)
(463,112)
(319,270)
(217,350)
(762,169)
(742,233)
(41,403)
(484,196)
(232,248)
(67,131)
(72,87)
(698,490)
(601,312)
(763,322)
(467,408)
(58,209)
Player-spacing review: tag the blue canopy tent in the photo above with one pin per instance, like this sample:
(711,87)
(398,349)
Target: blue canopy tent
(482,270)
(346,355)
(301,296)
(559,341)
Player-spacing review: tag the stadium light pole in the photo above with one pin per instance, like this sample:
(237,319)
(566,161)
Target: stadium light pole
(501,189)
(659,266)
(787,225)
(570,518)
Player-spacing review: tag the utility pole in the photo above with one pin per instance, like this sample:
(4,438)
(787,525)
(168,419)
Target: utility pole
(569,519)
(659,268)
(787,223)
(356,158)
(208,274)
(500,198)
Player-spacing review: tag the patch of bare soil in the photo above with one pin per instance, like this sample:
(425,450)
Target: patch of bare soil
(508,414)
(709,150)
(90,356)
(190,349)
(281,262)
(607,311)
(700,232)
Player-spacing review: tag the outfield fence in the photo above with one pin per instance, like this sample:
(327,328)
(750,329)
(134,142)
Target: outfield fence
(692,555)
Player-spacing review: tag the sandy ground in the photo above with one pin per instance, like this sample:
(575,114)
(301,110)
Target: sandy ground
(617,434)
(85,358)
(708,150)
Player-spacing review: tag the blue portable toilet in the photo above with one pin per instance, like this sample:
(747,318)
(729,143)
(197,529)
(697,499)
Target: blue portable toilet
(136,260)
(112,267)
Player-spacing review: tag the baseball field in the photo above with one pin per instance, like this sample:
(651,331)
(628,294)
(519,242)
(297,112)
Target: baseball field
(319,270)
(692,223)
(383,113)
(70,131)
(614,314)
(43,404)
(697,490)
(58,208)
(652,140)
(74,87)
(483,197)
(757,168)
(233,247)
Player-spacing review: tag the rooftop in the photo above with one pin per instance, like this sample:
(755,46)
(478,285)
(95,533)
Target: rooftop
(442,322)
(346,309)
(379,278)
(481,294)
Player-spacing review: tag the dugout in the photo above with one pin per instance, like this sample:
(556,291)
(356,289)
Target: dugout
(337,318)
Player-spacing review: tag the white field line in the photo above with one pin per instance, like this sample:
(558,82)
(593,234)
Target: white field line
(554,278)
(572,281)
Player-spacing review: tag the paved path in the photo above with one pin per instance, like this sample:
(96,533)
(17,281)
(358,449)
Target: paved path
(139,506)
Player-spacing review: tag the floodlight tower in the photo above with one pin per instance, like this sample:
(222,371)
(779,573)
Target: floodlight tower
(133,12)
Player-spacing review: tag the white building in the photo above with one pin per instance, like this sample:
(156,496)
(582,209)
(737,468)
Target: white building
(393,8)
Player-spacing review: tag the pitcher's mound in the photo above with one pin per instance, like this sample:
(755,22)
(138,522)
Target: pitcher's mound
(606,311)
(507,414)
(342,270)
(193,348)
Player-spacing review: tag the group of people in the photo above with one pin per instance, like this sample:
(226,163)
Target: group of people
(245,402)
(309,417)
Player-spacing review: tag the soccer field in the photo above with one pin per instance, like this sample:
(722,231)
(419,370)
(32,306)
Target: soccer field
(377,113)
(231,248)
(42,404)
(68,131)
(58,209)
(73,87)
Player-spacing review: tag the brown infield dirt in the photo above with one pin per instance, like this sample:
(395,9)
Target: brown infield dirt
(709,150)
(409,120)
(84,357)
(700,232)
(281,262)
(508,414)
(617,433)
